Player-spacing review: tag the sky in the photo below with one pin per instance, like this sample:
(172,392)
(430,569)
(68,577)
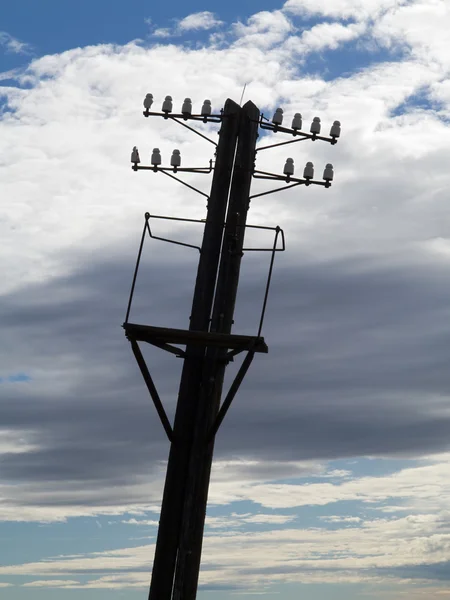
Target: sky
(332,468)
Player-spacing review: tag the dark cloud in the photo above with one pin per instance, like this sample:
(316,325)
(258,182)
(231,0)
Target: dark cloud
(357,365)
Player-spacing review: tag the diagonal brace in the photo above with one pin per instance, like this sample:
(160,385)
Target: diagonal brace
(231,394)
(152,389)
(179,353)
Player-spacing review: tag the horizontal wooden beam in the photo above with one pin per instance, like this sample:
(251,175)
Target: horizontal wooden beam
(166,335)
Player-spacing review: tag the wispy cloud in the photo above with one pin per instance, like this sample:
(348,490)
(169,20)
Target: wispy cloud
(13,45)
(144,522)
(338,519)
(52,583)
(242,520)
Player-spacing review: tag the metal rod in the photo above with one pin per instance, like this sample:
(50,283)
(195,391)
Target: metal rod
(209,118)
(277,176)
(276,190)
(136,271)
(231,394)
(194,130)
(168,348)
(152,389)
(310,136)
(274,248)
(176,218)
(191,187)
(156,237)
(169,241)
(269,278)
(302,139)
(288,178)
(157,169)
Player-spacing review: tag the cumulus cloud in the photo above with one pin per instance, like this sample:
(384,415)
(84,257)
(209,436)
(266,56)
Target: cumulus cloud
(263,30)
(199,21)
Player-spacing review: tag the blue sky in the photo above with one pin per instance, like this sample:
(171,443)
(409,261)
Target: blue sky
(51,26)
(331,470)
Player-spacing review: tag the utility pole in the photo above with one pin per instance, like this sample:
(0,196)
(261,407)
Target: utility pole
(191,378)
(209,343)
(188,564)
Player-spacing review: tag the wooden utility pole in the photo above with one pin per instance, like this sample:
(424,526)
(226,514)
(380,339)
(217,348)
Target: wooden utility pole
(191,378)
(189,554)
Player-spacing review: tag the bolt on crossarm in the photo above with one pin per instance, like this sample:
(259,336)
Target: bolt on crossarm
(188,563)
(186,412)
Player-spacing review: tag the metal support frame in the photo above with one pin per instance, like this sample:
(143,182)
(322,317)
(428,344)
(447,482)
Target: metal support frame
(181,337)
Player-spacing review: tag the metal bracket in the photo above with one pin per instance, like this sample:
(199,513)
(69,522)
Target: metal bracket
(275,128)
(156,168)
(301,139)
(272,249)
(165,115)
(152,389)
(186,117)
(179,353)
(168,171)
(231,394)
(287,179)
(148,216)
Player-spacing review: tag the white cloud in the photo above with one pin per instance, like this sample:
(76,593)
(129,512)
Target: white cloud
(338,519)
(421,26)
(342,9)
(12,442)
(330,35)
(345,555)
(199,21)
(263,30)
(163,32)
(146,522)
(424,487)
(52,583)
(241,520)
(13,45)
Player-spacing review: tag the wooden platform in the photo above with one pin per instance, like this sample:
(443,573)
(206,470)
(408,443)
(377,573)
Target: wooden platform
(165,335)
